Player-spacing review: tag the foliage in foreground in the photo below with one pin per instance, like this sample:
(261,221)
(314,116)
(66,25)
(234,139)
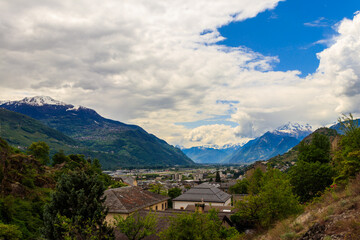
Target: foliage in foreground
(137,227)
(313,173)
(347,158)
(197,226)
(77,203)
(272,201)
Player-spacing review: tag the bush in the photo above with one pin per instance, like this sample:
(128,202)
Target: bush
(10,232)
(274,201)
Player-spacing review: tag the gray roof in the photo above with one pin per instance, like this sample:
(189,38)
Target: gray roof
(130,199)
(129,180)
(204,192)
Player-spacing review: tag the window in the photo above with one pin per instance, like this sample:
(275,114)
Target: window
(162,206)
(156,208)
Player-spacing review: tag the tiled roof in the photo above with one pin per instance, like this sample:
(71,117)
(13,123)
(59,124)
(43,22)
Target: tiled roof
(130,199)
(129,180)
(204,192)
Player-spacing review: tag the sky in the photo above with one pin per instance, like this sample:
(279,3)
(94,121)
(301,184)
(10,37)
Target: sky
(191,72)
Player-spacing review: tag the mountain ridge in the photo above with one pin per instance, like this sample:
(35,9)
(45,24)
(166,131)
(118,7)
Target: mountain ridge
(270,144)
(118,144)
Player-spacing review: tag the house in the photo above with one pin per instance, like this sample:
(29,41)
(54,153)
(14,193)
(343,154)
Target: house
(126,200)
(203,193)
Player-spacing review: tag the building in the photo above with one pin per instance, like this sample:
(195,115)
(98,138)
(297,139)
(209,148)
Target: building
(126,200)
(203,193)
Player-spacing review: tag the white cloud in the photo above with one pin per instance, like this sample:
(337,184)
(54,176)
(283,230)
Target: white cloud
(216,134)
(154,63)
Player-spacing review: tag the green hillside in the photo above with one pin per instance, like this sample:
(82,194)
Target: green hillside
(20,131)
(113,143)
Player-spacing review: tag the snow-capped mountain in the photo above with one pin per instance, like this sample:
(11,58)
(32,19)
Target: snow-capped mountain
(114,143)
(40,101)
(295,130)
(273,143)
(210,153)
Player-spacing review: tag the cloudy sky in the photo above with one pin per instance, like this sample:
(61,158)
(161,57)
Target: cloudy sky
(191,72)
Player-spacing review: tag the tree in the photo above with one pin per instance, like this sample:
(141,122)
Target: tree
(255,181)
(347,158)
(197,226)
(59,158)
(312,173)
(317,151)
(137,227)
(310,179)
(76,202)
(157,188)
(174,192)
(274,201)
(40,150)
(241,187)
(10,232)
(217,177)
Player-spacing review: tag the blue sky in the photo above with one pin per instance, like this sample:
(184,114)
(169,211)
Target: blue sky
(293,31)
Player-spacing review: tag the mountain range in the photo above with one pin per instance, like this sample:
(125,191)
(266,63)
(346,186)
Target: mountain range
(114,143)
(270,144)
(210,154)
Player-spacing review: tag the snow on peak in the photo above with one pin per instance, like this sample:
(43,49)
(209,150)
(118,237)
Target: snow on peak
(41,101)
(76,108)
(294,130)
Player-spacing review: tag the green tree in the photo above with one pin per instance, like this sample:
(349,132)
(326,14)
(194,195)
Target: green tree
(156,188)
(59,158)
(312,173)
(137,227)
(197,226)
(217,177)
(310,179)
(241,187)
(77,201)
(174,192)
(40,150)
(347,158)
(10,232)
(274,201)
(317,151)
(255,181)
